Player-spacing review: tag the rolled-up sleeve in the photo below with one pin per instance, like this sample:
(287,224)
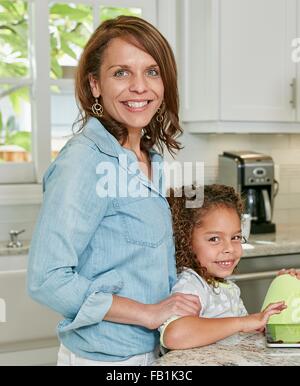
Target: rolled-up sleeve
(70,214)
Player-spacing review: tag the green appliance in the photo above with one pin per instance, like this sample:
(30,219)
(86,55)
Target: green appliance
(284,327)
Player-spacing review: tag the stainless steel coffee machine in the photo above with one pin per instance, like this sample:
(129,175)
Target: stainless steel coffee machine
(252,175)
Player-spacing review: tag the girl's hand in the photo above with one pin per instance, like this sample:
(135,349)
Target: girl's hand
(177,304)
(291,271)
(257,322)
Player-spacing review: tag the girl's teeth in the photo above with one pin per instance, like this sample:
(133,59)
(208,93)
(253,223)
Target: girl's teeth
(136,105)
(225,263)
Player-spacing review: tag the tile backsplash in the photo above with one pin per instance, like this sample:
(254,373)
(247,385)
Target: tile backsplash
(284,148)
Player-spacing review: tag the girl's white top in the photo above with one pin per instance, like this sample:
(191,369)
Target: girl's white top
(221,302)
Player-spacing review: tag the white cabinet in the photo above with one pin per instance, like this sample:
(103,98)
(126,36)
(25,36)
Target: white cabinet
(236,68)
(198,66)
(256,70)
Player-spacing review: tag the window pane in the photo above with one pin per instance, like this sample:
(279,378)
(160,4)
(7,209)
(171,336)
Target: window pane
(71,25)
(14,38)
(63,114)
(107,13)
(15,124)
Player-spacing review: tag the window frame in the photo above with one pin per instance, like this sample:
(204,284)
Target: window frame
(21,172)
(38,80)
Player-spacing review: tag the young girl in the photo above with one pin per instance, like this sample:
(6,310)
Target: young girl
(208,242)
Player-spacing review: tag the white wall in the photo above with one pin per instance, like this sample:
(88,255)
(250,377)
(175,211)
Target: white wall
(284,149)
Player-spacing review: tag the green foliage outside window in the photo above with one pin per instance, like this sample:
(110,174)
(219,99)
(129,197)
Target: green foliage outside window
(13,38)
(70,28)
(107,13)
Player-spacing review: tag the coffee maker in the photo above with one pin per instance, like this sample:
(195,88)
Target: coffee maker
(252,175)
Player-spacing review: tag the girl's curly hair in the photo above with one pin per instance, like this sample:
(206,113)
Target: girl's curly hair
(186,216)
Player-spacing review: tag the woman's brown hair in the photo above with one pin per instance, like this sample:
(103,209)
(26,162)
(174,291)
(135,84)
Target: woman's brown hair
(143,35)
(186,217)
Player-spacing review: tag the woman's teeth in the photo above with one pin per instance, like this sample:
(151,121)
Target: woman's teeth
(136,105)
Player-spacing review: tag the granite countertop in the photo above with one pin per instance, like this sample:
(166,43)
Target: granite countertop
(237,350)
(285,241)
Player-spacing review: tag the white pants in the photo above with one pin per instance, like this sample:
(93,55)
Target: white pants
(67,358)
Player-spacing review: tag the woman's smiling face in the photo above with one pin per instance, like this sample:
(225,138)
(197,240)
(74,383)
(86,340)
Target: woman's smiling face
(130,84)
(217,241)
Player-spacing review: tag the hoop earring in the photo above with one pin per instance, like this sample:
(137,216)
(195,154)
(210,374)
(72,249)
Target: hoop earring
(97,108)
(160,117)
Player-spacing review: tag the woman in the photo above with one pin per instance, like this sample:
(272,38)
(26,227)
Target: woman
(102,254)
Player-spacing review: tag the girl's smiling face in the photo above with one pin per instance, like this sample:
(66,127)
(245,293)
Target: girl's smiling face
(129,84)
(217,241)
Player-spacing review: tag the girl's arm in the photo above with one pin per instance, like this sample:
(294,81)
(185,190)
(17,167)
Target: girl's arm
(191,331)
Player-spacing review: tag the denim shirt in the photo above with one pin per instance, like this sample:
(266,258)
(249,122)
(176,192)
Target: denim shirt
(87,247)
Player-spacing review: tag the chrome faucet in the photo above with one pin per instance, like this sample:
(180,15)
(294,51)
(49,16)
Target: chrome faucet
(14,242)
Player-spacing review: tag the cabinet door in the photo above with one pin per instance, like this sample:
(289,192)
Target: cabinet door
(296,58)
(198,63)
(256,71)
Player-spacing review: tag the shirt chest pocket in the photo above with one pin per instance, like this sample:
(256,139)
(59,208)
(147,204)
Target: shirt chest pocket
(144,221)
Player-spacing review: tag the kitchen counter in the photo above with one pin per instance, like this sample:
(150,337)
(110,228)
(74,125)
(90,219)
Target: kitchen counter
(284,242)
(238,350)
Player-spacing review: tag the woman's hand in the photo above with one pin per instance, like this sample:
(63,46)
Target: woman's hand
(177,304)
(291,271)
(257,322)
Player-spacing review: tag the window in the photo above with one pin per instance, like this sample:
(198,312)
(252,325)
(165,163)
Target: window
(15,91)
(40,44)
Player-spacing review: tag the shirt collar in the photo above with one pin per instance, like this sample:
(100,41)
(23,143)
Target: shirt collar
(107,143)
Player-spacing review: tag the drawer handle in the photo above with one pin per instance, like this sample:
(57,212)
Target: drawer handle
(293,86)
